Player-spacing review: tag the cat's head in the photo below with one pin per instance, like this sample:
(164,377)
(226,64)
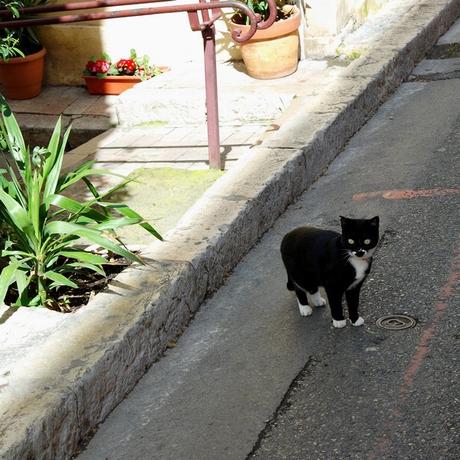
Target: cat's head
(360,236)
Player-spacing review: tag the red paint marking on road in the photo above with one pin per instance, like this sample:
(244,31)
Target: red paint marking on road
(422,350)
(406,194)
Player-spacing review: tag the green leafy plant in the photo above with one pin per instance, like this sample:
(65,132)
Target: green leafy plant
(42,228)
(284,9)
(9,48)
(20,41)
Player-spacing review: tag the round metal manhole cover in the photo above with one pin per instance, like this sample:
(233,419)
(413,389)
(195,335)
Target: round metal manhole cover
(396,322)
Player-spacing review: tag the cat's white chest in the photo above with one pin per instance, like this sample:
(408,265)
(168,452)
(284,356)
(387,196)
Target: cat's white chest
(360,266)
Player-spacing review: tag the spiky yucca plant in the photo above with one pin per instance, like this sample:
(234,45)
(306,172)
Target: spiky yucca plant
(41,226)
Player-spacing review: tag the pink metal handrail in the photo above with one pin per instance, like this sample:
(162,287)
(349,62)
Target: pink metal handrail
(204,24)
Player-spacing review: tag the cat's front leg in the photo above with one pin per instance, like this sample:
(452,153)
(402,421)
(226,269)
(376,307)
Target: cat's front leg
(335,302)
(302,301)
(352,297)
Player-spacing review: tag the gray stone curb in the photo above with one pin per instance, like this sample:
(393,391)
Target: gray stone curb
(56,395)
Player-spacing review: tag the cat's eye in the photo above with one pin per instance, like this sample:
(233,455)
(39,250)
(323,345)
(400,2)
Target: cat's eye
(367,242)
(350,241)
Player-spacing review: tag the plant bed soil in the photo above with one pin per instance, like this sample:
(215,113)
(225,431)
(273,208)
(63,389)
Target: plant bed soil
(66,299)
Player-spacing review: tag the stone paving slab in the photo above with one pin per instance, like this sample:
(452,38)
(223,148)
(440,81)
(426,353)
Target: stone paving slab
(435,69)
(451,36)
(89,115)
(184,147)
(448,46)
(59,392)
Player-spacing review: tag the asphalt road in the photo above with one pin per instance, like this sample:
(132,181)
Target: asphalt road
(250,378)
(373,393)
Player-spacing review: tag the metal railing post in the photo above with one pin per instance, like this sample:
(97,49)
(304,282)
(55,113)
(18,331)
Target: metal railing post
(212,106)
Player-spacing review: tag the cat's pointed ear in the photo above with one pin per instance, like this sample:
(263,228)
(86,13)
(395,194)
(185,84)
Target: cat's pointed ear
(343,223)
(375,221)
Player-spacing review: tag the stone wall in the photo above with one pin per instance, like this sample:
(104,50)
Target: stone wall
(328,21)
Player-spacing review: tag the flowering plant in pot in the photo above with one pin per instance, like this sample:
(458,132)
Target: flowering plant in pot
(21,54)
(104,76)
(271,52)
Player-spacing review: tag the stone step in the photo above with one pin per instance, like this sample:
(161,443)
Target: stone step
(241,99)
(181,107)
(437,69)
(448,46)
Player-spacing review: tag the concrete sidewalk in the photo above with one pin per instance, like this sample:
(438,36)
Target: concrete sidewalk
(51,401)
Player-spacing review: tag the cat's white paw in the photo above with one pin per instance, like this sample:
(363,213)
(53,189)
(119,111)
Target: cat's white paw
(339,324)
(322,302)
(316,300)
(305,310)
(358,322)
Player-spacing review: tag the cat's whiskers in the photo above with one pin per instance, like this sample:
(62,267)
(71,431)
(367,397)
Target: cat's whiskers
(346,254)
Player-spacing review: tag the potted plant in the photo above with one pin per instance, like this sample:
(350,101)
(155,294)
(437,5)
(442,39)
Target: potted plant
(271,52)
(103,76)
(22,56)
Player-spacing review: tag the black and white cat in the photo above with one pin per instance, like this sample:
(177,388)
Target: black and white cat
(337,262)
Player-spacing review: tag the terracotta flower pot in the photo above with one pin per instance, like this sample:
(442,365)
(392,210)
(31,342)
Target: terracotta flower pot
(112,84)
(22,77)
(272,52)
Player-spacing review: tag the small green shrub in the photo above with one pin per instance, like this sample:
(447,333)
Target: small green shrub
(20,41)
(42,228)
(284,9)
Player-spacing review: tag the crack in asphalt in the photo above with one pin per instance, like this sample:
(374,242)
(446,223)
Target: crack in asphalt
(284,404)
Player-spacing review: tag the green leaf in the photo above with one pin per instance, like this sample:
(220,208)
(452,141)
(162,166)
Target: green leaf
(25,256)
(84,256)
(53,144)
(79,266)
(59,280)
(113,224)
(52,177)
(14,188)
(18,214)
(35,204)
(128,212)
(67,228)
(76,208)
(7,278)
(13,135)
(91,188)
(74,177)
(22,281)
(64,202)
(64,179)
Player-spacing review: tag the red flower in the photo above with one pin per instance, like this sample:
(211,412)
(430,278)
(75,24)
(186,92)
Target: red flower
(126,66)
(91,67)
(102,66)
